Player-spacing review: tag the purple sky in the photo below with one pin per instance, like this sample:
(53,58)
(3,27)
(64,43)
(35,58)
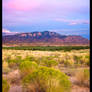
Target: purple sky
(62,16)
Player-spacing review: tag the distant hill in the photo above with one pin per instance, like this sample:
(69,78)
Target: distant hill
(45,38)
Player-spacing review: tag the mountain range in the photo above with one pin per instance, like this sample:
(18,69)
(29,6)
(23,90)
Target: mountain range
(45,38)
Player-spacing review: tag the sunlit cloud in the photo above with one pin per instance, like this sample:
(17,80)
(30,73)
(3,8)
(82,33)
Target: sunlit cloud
(8,32)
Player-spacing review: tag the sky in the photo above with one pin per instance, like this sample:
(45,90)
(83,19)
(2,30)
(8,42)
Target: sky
(67,17)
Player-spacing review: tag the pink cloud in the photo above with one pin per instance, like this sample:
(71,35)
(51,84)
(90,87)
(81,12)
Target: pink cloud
(20,5)
(79,22)
(6,31)
(72,22)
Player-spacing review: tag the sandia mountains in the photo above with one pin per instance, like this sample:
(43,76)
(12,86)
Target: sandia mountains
(45,38)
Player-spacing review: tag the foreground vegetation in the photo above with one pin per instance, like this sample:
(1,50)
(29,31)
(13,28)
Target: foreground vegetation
(46,71)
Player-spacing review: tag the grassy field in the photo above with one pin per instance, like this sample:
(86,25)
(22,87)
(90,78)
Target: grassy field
(50,69)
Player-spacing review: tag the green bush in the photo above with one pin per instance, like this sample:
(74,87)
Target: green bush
(47,80)
(47,61)
(50,63)
(27,67)
(29,58)
(5,86)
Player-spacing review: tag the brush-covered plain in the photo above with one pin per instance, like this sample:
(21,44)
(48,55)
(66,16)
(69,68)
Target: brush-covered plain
(45,71)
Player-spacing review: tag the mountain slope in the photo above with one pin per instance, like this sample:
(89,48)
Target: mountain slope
(43,38)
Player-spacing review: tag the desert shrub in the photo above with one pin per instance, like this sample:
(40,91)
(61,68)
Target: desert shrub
(83,77)
(8,58)
(27,67)
(5,86)
(47,61)
(38,60)
(87,60)
(87,56)
(82,60)
(14,63)
(61,60)
(18,58)
(77,59)
(29,58)
(47,80)
(68,63)
(50,63)
(6,69)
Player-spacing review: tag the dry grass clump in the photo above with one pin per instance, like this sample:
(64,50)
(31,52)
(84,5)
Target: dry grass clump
(6,68)
(83,77)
